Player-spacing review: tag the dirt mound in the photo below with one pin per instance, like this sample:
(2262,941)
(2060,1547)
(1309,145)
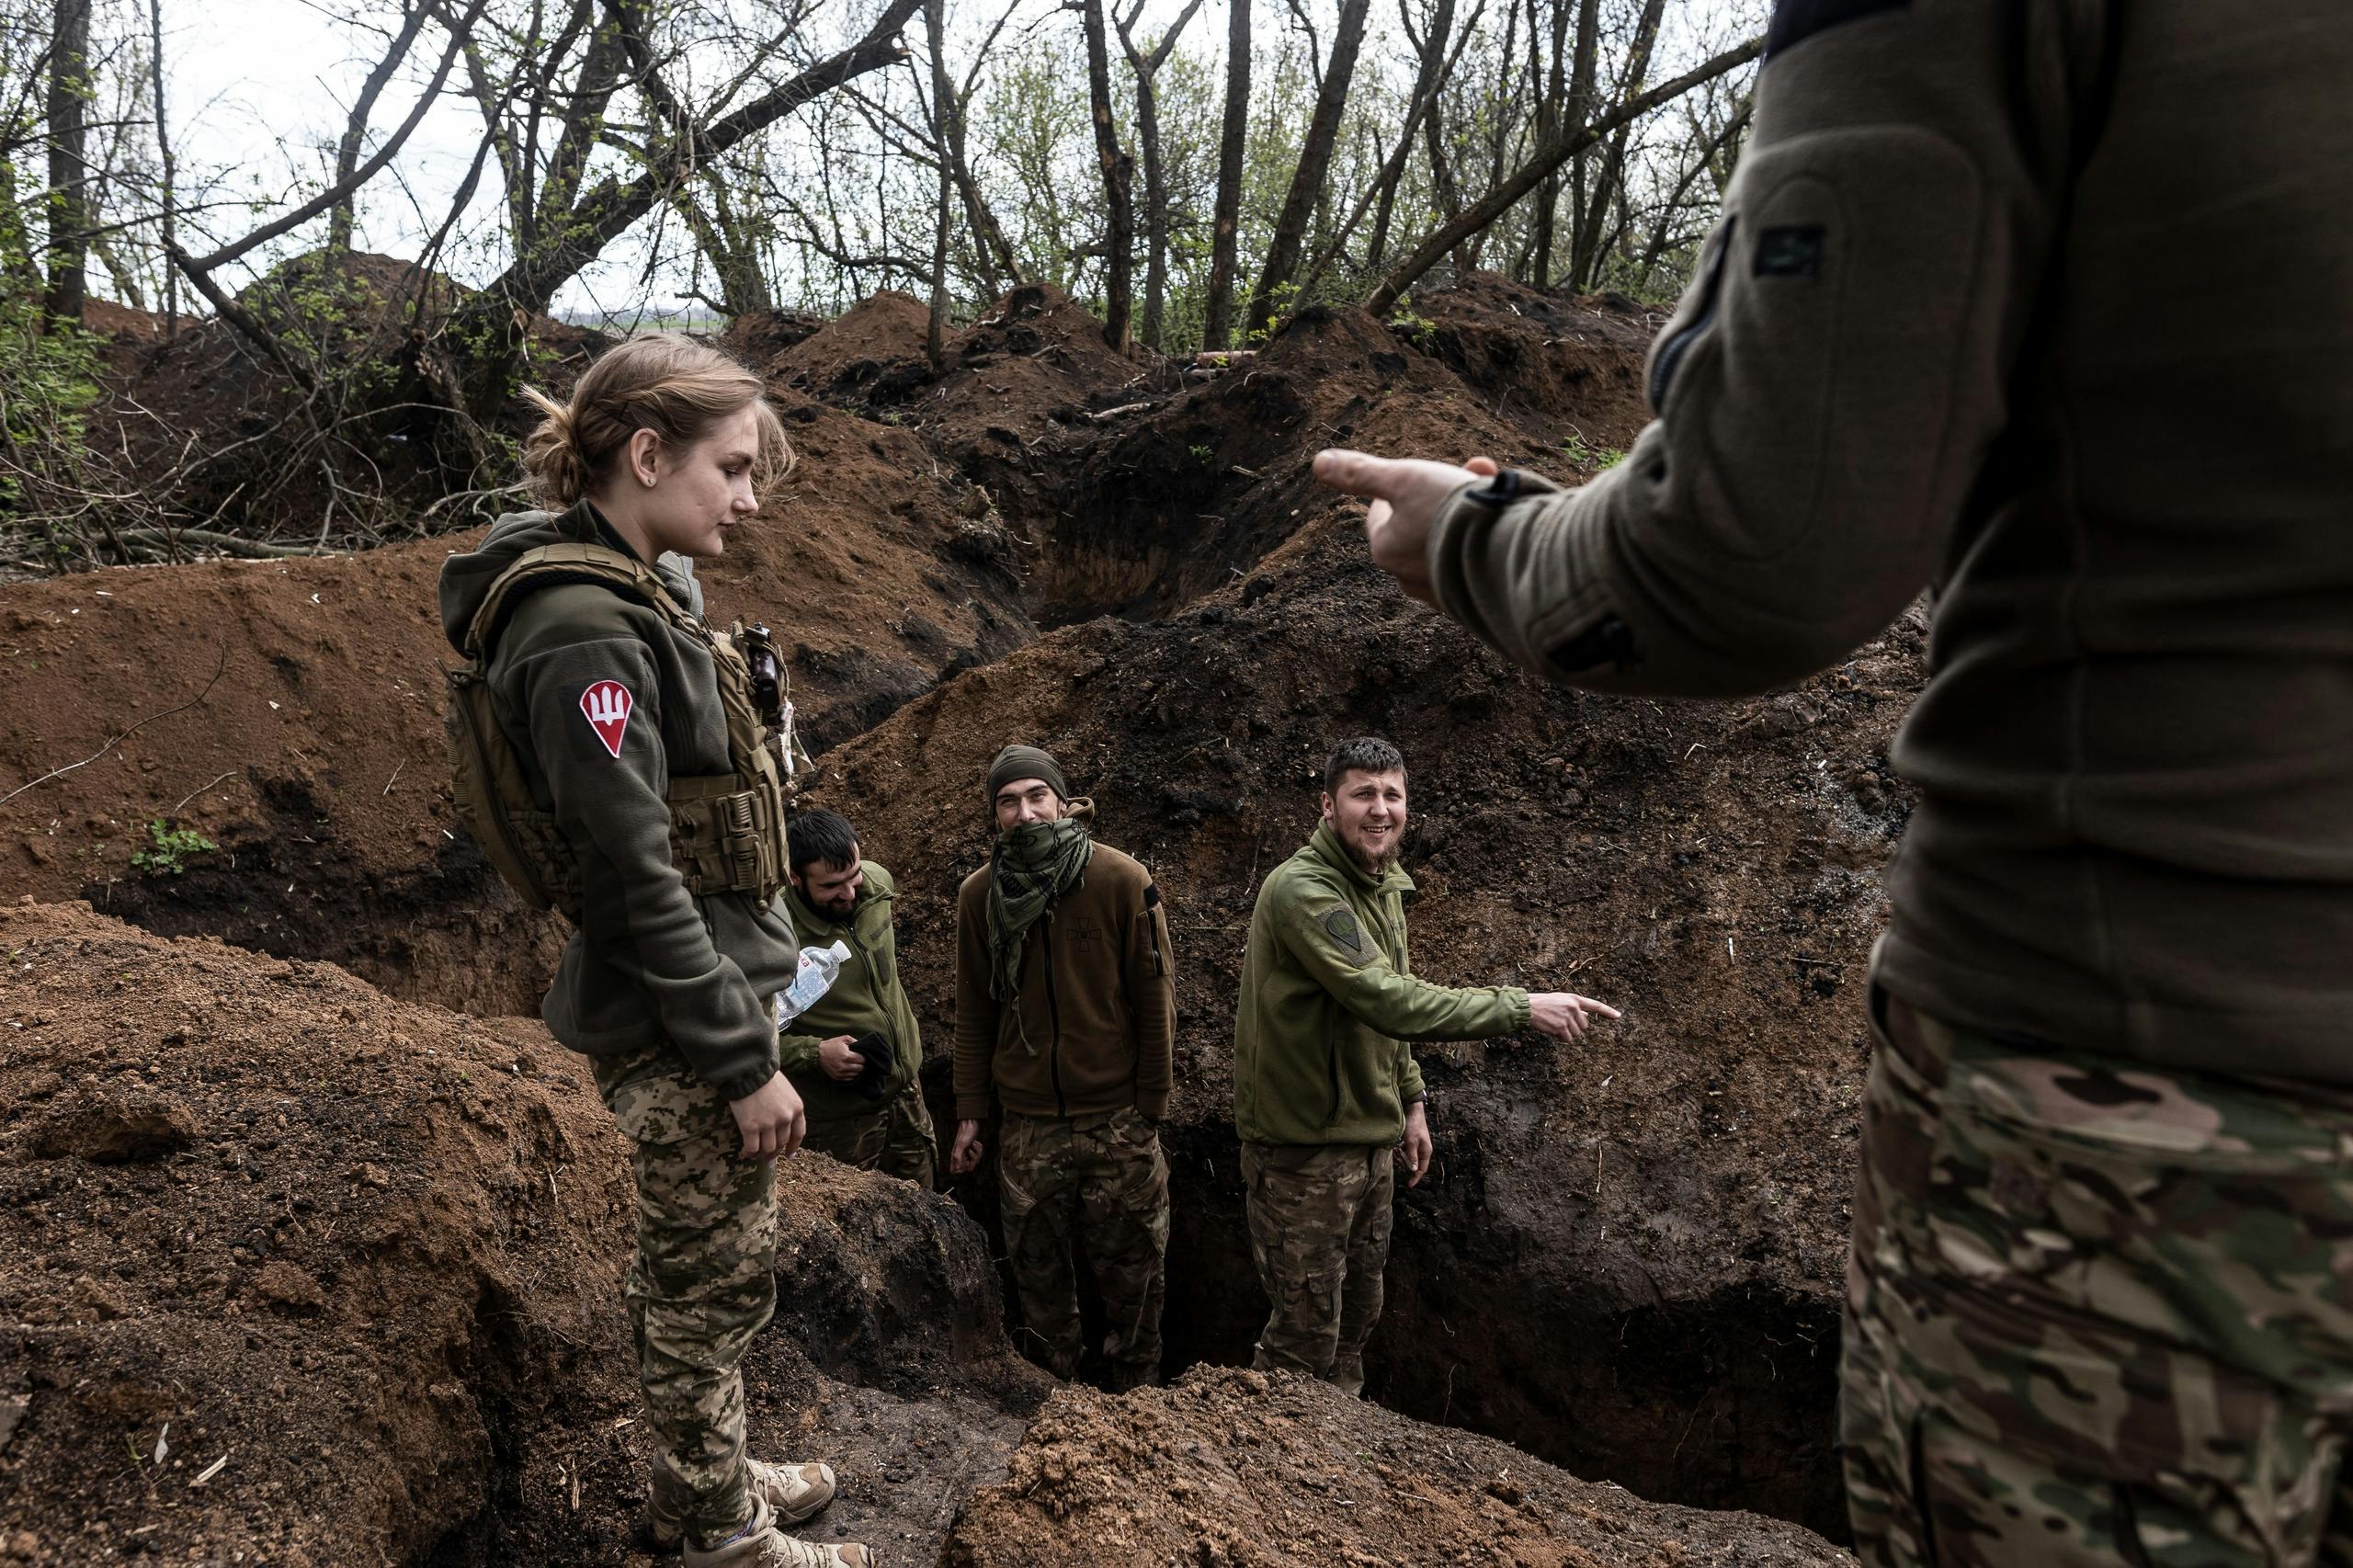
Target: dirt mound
(1236,1470)
(314,760)
(873,352)
(289,1270)
(1548,361)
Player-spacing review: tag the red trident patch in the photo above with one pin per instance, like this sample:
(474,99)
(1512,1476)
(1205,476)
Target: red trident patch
(607,705)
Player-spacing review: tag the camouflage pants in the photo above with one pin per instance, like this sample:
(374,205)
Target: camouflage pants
(2097,1313)
(1099,1183)
(898,1140)
(703,1281)
(1319,1230)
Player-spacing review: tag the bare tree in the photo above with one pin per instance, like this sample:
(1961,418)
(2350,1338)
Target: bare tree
(1314,159)
(1609,186)
(1547,158)
(1232,143)
(355,129)
(992,254)
(573,222)
(1147,65)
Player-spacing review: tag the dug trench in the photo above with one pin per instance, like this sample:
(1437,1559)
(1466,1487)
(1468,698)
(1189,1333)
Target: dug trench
(1626,1259)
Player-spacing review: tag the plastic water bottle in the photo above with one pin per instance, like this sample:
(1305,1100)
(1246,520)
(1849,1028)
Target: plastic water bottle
(820,966)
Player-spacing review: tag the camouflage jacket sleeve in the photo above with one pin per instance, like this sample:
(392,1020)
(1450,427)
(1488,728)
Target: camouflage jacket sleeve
(634,898)
(1321,932)
(1152,994)
(1829,386)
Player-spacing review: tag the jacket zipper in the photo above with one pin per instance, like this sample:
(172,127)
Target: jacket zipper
(1053,1016)
(1670,354)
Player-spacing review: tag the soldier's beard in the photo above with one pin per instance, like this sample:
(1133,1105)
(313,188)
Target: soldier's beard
(1377,864)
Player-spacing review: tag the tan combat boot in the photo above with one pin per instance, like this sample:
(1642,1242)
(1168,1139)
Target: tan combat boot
(762,1545)
(793,1492)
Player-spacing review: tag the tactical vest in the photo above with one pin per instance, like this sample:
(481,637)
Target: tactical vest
(726,829)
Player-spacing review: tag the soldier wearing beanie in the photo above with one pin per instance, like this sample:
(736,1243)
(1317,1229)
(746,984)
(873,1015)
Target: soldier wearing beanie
(1065,1009)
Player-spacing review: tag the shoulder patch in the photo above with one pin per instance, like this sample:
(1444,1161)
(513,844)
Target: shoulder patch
(1791,251)
(1794,21)
(606,706)
(1151,894)
(1340,925)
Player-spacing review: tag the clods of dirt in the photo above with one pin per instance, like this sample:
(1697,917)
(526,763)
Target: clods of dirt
(1241,1469)
(365,1306)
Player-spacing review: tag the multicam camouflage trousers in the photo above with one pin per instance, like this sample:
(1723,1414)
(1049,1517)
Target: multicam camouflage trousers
(1319,1229)
(898,1140)
(1100,1183)
(2097,1313)
(703,1281)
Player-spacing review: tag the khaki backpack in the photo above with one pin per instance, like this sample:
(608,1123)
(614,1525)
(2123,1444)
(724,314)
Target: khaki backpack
(726,829)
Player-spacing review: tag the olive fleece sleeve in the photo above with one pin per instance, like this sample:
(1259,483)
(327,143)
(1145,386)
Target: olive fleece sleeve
(1151,981)
(1332,946)
(636,909)
(798,1053)
(1830,384)
(976,1010)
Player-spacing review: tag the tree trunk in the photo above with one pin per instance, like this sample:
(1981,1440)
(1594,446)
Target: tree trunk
(1118,214)
(1233,141)
(1314,160)
(734,256)
(992,254)
(69,173)
(1549,115)
(1424,104)
(943,107)
(1587,257)
(1155,181)
(163,148)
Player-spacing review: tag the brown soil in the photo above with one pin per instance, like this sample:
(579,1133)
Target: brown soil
(1626,1261)
(368,1255)
(1238,1469)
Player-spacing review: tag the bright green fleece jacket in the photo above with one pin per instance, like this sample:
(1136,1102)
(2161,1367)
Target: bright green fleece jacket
(866,997)
(1328,1000)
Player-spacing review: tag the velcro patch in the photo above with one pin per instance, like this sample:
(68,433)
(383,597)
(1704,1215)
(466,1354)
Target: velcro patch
(606,706)
(1340,925)
(1794,21)
(1791,251)
(1151,894)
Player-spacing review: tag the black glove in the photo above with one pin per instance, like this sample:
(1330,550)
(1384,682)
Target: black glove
(874,1083)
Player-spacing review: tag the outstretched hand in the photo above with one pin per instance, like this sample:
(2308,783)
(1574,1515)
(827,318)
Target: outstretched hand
(1406,493)
(1565,1015)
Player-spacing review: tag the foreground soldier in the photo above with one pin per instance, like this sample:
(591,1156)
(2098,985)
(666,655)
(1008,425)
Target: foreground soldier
(1958,323)
(864,1110)
(1327,1096)
(618,731)
(1066,1012)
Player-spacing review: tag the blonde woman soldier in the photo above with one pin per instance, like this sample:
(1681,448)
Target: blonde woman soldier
(609,755)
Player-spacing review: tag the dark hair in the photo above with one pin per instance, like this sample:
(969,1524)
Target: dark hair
(1365,753)
(820,836)
(660,381)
